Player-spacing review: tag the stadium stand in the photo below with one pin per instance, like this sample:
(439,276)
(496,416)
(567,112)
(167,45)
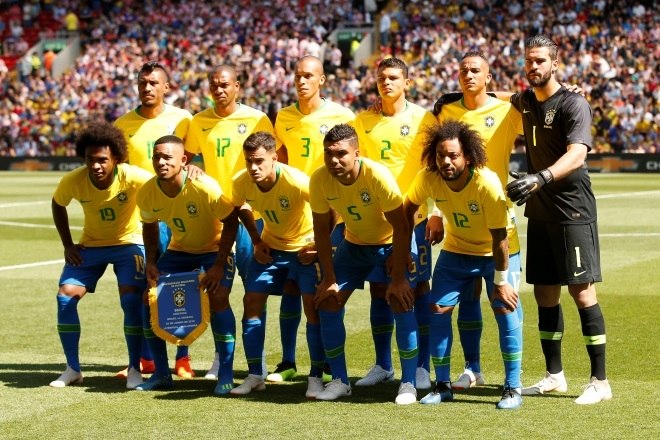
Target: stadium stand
(610,48)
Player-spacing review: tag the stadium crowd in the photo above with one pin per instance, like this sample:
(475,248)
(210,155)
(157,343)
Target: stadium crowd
(610,49)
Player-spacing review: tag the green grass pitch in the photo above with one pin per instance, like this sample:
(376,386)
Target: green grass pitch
(31,356)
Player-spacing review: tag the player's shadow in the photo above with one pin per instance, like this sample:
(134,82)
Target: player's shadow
(40,375)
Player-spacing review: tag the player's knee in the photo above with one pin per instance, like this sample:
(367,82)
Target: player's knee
(253,305)
(72,291)
(219,300)
(311,313)
(584,295)
(438,309)
(329,305)
(501,310)
(377,290)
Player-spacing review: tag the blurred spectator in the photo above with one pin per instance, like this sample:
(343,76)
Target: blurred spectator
(611,49)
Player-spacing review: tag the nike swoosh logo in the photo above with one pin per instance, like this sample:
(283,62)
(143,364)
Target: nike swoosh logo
(130,135)
(368,131)
(440,200)
(157,210)
(577,274)
(332,198)
(207,129)
(525,111)
(250,200)
(289,128)
(85,201)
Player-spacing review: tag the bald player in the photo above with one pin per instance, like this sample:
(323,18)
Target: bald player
(498,123)
(300,128)
(218,133)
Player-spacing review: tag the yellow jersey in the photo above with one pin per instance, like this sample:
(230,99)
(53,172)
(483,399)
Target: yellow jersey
(362,204)
(220,140)
(498,123)
(303,134)
(469,214)
(284,208)
(141,133)
(111,215)
(397,142)
(193,215)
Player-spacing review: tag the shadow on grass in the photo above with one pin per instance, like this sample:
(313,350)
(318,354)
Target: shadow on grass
(100,378)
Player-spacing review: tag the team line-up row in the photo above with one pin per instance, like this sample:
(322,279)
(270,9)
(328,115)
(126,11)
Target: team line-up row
(328,200)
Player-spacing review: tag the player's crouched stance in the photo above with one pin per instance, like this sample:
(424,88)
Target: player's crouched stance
(112,234)
(475,246)
(366,195)
(203,224)
(284,254)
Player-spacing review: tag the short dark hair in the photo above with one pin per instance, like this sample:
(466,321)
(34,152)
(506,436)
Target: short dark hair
(168,139)
(341,132)
(475,54)
(542,41)
(259,139)
(223,68)
(152,65)
(102,134)
(394,63)
(471,143)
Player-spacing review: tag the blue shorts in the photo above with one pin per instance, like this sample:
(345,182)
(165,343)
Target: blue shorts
(337,235)
(127,262)
(177,262)
(244,248)
(376,275)
(354,263)
(515,270)
(270,278)
(455,273)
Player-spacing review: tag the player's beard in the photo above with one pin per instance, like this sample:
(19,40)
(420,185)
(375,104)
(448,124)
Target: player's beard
(452,174)
(539,81)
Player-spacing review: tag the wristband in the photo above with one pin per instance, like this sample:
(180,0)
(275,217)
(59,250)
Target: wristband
(500,278)
(546,175)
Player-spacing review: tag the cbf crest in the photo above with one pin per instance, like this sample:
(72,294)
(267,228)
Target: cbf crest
(323,129)
(473,206)
(284,203)
(550,116)
(191,207)
(489,121)
(404,130)
(365,196)
(242,128)
(179,298)
(122,197)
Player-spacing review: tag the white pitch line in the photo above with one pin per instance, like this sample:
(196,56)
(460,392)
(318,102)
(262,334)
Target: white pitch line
(36,225)
(29,265)
(13,205)
(638,193)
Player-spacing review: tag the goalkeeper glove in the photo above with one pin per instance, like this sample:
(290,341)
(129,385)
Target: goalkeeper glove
(521,189)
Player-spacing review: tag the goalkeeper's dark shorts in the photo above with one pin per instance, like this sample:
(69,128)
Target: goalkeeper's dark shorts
(562,253)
